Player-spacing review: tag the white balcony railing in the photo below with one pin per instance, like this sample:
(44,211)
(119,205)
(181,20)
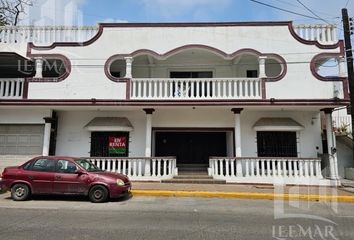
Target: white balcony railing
(196,88)
(305,171)
(46,35)
(11,88)
(155,168)
(324,34)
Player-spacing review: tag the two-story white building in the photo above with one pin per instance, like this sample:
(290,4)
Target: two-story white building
(241,101)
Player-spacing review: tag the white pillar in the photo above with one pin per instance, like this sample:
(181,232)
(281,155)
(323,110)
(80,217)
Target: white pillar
(341,67)
(39,67)
(335,156)
(128,67)
(262,67)
(238,150)
(331,144)
(148,135)
(46,137)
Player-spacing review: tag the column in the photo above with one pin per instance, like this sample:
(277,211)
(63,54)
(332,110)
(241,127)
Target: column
(262,69)
(128,65)
(341,67)
(331,143)
(46,138)
(39,67)
(148,112)
(238,152)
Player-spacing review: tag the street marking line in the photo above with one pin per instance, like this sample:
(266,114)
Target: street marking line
(247,195)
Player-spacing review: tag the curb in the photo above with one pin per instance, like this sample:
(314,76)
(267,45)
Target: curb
(244,195)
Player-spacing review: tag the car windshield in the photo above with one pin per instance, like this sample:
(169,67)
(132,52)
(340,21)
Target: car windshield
(88,166)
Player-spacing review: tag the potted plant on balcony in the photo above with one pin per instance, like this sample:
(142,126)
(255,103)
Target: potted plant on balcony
(342,130)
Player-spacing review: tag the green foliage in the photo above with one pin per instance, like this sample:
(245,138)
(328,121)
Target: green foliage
(2,20)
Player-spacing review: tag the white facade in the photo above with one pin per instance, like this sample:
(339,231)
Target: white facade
(74,140)
(239,73)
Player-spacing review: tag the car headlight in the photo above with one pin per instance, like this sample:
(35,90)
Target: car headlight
(120,182)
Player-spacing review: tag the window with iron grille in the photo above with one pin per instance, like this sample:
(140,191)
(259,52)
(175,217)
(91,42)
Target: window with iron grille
(109,144)
(276,144)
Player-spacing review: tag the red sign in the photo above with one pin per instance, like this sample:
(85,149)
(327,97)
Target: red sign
(117,145)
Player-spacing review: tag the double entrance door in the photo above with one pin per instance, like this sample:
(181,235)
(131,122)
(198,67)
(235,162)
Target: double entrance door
(190,147)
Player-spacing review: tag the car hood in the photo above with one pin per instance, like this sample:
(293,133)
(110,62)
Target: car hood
(112,175)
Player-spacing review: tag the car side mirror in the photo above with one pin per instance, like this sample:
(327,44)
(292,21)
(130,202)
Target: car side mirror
(79,172)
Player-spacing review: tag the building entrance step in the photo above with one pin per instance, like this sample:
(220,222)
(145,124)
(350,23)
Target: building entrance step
(204,176)
(192,173)
(194,169)
(192,165)
(195,181)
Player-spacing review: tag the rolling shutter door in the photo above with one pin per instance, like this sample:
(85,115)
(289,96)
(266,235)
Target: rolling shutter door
(21,139)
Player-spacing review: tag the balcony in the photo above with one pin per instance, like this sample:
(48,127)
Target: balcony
(322,33)
(45,35)
(195,89)
(11,88)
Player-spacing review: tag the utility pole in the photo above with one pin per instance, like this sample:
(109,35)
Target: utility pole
(349,57)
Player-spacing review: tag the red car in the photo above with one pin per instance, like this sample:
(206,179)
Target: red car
(63,175)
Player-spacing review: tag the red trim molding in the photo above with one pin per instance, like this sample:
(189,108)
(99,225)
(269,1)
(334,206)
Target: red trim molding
(25,89)
(65,60)
(101,27)
(149,104)
(216,51)
(309,42)
(344,80)
(313,67)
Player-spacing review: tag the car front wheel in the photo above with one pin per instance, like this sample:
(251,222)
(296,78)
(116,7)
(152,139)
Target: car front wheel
(98,194)
(20,192)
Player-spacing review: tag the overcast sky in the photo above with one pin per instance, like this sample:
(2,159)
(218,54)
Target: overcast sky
(90,12)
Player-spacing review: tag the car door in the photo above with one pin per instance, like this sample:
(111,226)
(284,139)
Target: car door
(41,175)
(66,180)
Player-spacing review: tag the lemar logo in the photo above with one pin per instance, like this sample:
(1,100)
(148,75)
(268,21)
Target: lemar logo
(313,232)
(117,145)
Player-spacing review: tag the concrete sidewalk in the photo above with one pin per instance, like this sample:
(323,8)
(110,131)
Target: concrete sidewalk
(313,193)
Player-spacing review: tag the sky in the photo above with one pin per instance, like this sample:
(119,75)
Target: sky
(91,12)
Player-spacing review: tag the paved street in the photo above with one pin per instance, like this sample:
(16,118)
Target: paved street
(173,218)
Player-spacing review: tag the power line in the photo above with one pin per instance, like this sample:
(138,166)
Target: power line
(315,14)
(297,6)
(346,5)
(284,10)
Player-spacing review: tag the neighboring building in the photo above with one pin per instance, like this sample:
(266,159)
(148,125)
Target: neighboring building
(147,99)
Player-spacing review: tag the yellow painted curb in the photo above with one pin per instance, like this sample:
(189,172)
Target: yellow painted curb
(247,195)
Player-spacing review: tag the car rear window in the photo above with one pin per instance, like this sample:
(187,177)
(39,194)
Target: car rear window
(43,165)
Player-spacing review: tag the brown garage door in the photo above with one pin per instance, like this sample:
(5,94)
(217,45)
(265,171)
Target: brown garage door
(20,139)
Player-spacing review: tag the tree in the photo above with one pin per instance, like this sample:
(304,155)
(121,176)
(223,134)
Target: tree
(11,11)
(2,21)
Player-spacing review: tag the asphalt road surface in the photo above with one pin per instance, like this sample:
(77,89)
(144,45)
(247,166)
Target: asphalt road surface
(66,218)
